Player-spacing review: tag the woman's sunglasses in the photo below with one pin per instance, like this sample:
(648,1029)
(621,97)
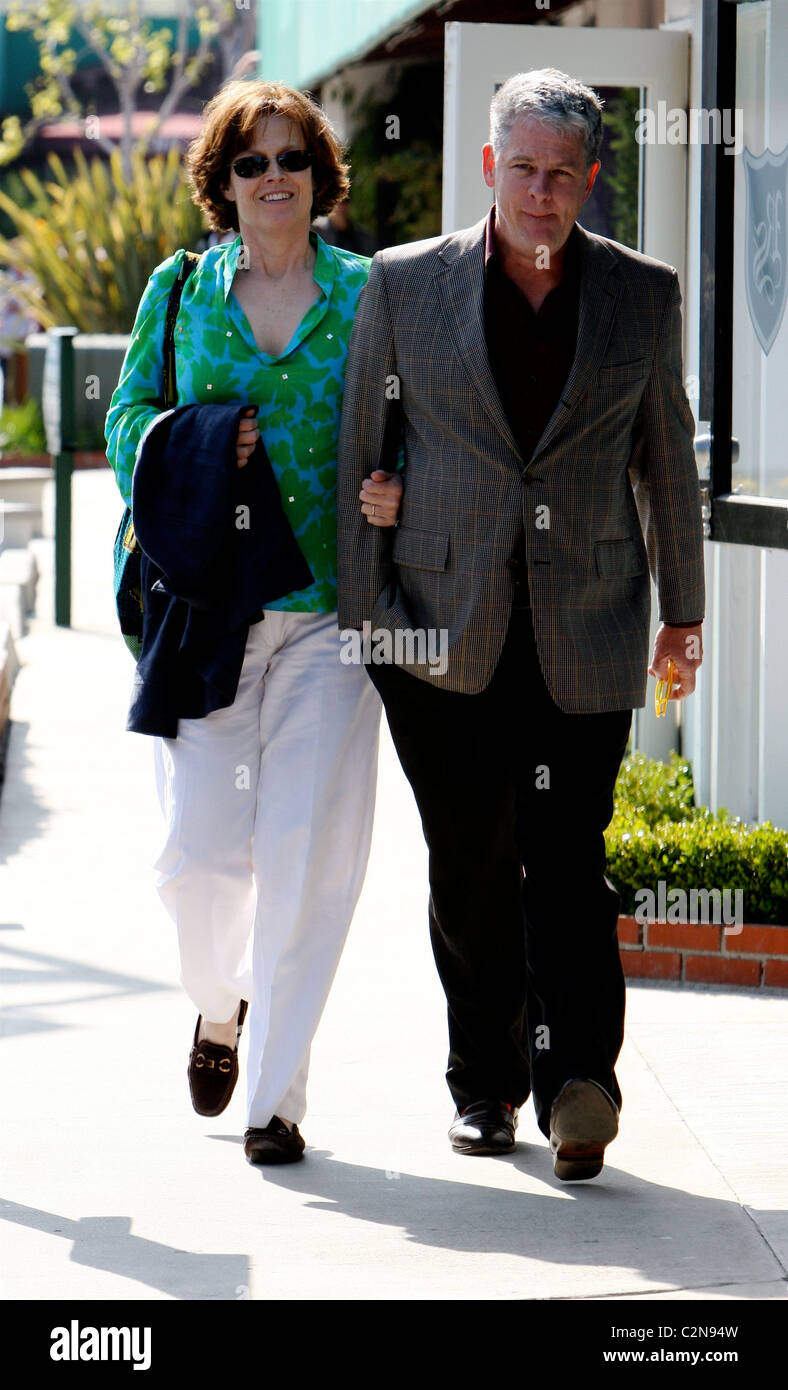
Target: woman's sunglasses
(251,166)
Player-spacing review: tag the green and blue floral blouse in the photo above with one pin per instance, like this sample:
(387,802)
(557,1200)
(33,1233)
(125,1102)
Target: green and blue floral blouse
(298,394)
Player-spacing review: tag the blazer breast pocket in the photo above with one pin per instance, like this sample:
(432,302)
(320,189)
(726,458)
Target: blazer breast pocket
(619,559)
(424,550)
(621,374)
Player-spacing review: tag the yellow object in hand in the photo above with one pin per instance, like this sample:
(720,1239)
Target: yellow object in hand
(663,691)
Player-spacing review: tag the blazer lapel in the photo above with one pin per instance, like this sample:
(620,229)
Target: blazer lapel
(600,292)
(460,284)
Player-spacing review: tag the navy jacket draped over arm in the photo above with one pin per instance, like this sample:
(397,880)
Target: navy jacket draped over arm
(216,547)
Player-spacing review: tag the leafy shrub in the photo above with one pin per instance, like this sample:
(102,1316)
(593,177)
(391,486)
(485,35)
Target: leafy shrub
(656,791)
(22,429)
(87,240)
(658,833)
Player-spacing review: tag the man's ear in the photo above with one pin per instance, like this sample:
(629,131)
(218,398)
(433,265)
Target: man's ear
(488,165)
(591,179)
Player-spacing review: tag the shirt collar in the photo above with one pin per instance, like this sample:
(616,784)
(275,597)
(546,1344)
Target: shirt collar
(230,263)
(326,261)
(571,256)
(325,271)
(489,236)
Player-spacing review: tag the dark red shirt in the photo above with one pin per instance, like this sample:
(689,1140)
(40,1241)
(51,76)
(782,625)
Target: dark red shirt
(530,351)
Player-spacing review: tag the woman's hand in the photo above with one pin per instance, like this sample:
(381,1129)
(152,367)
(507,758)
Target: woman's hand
(248,435)
(380,497)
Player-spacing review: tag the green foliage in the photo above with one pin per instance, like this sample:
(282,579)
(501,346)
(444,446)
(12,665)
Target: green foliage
(89,239)
(22,429)
(396,182)
(618,119)
(658,833)
(12,185)
(656,791)
(135,51)
(414,175)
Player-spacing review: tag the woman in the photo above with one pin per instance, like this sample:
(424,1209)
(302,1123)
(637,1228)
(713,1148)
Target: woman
(268,802)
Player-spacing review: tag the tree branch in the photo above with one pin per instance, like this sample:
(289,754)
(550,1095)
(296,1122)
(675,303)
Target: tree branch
(180,82)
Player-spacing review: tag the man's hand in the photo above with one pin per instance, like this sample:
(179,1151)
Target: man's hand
(380,497)
(248,435)
(684,646)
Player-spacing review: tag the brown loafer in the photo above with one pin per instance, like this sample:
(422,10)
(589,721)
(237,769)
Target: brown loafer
(274,1144)
(213,1069)
(583,1119)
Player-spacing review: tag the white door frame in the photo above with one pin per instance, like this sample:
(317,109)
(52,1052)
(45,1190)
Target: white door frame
(479,56)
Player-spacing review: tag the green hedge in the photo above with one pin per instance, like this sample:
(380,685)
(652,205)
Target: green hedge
(657,832)
(656,791)
(22,429)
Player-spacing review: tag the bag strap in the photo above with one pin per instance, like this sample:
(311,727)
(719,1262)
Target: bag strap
(173,304)
(188,264)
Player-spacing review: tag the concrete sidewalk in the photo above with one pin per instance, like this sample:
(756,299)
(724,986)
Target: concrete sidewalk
(112,1188)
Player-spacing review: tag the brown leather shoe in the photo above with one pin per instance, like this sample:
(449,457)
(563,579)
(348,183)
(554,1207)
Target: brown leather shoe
(583,1119)
(213,1069)
(274,1144)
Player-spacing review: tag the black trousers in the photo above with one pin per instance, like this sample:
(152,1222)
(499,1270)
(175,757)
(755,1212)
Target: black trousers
(514,797)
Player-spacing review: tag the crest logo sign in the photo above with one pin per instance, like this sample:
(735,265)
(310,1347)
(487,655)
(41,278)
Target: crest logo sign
(766,274)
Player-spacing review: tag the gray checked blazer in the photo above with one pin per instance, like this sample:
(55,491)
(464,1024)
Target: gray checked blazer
(610,491)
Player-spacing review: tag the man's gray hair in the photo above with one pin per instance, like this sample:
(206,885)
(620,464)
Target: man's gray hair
(553,97)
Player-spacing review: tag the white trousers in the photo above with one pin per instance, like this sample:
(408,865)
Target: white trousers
(269,806)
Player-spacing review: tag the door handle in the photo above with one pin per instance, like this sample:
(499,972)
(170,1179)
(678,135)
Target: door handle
(702,446)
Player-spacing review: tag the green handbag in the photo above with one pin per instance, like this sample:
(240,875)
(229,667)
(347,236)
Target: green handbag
(126,553)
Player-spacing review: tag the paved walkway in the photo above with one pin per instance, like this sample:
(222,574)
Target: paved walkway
(112,1187)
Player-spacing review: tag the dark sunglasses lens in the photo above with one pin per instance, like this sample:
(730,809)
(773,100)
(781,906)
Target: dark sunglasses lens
(294,161)
(251,166)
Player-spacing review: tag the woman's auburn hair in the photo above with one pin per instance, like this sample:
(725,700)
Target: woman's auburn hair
(229,122)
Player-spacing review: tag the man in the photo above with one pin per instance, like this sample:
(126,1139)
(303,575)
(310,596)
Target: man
(533,371)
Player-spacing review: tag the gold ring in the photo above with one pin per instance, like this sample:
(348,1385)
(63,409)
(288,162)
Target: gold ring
(372,513)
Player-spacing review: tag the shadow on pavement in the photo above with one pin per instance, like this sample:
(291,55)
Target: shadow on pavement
(106,1242)
(23,967)
(616,1220)
(23,816)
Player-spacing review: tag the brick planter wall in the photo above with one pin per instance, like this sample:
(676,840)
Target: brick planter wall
(757,956)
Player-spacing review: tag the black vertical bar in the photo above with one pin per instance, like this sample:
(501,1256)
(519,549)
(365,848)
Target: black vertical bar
(718,91)
(64,460)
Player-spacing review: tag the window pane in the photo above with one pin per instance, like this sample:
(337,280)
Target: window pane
(760,326)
